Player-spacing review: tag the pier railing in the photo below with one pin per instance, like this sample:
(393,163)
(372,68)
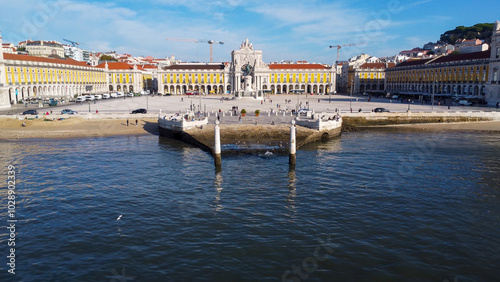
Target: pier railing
(177,122)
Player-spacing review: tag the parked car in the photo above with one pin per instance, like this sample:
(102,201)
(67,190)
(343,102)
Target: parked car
(98,97)
(167,94)
(113,95)
(395,96)
(81,99)
(89,97)
(119,95)
(69,112)
(464,103)
(130,94)
(30,112)
(106,96)
(139,111)
(381,110)
(303,112)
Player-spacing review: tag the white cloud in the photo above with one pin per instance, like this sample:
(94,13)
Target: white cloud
(283,29)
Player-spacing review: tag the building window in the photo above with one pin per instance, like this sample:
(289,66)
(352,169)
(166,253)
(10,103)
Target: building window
(498,53)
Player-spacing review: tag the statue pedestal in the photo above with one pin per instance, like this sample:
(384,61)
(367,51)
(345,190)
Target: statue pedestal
(247,83)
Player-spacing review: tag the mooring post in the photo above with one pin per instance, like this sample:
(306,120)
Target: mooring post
(293,142)
(217,150)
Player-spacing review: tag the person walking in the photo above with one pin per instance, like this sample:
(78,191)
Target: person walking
(239,118)
(127,122)
(135,122)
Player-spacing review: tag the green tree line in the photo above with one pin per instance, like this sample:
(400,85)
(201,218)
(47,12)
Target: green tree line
(481,31)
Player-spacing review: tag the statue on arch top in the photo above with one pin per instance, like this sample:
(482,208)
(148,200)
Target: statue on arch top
(246,45)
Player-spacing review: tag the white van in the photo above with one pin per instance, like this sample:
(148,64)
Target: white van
(98,97)
(113,95)
(105,96)
(81,99)
(90,97)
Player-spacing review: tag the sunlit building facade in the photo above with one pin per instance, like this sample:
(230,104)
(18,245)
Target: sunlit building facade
(463,75)
(247,75)
(493,85)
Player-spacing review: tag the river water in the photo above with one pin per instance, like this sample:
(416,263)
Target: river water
(367,206)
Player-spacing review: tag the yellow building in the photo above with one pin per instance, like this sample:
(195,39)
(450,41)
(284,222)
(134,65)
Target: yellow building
(287,78)
(39,77)
(122,77)
(247,76)
(452,76)
(368,78)
(184,78)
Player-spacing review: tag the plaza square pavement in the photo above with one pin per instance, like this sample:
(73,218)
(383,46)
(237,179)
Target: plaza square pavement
(214,103)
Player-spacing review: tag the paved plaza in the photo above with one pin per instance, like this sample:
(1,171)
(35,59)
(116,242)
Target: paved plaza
(214,103)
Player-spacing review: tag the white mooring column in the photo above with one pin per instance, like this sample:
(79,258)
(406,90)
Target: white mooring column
(293,142)
(217,150)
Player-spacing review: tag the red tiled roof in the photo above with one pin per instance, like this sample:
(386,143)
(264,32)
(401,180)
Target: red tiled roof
(372,66)
(296,66)
(464,57)
(116,66)
(194,67)
(146,67)
(68,61)
(449,58)
(414,62)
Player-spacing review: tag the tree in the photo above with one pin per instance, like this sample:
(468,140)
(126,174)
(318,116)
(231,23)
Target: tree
(478,31)
(107,58)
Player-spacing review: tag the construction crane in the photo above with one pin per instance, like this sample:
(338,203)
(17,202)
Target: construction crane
(345,45)
(210,42)
(73,43)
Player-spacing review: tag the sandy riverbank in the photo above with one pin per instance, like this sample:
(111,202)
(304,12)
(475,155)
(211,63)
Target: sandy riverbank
(482,126)
(11,129)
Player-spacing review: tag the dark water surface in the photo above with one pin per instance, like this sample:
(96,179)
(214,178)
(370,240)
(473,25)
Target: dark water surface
(368,206)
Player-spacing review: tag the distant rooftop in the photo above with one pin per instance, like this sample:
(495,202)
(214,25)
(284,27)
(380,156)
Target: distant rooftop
(301,66)
(66,61)
(195,67)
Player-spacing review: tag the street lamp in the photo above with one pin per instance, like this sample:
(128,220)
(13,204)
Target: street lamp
(199,94)
(434,90)
(350,98)
(330,94)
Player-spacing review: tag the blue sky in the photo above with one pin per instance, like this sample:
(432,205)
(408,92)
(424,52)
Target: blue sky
(282,29)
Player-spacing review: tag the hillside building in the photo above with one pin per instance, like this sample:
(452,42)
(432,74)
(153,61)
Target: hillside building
(42,48)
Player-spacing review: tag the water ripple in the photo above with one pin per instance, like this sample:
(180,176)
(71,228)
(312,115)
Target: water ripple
(379,206)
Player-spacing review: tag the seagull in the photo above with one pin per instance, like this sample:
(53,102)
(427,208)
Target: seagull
(119,217)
